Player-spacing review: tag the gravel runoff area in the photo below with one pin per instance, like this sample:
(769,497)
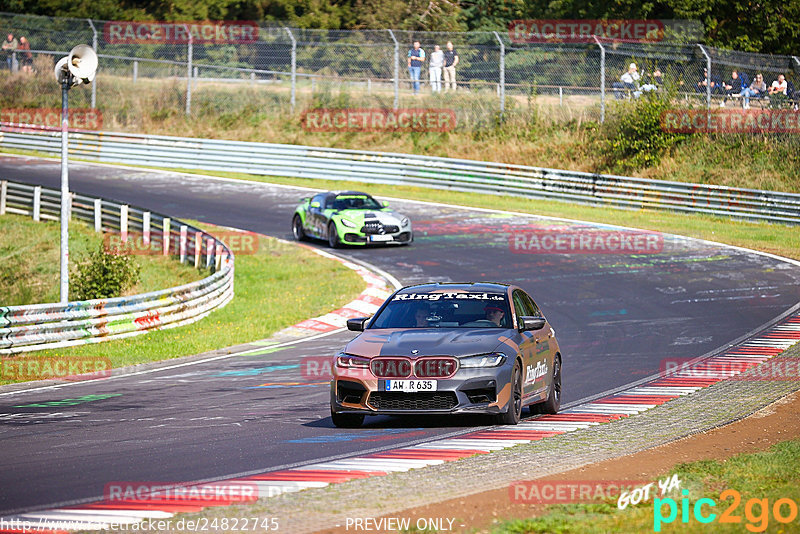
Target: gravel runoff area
(722,403)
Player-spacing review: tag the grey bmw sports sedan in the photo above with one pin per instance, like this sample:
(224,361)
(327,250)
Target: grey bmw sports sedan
(479,348)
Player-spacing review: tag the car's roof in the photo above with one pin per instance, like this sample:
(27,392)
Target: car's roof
(457,286)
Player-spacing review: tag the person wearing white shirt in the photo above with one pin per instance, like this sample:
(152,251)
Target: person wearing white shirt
(435,69)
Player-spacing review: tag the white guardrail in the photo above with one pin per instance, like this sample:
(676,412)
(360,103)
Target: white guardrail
(422,171)
(46,326)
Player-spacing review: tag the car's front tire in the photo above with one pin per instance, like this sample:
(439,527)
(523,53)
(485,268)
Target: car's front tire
(553,402)
(514,413)
(297,228)
(347,420)
(333,236)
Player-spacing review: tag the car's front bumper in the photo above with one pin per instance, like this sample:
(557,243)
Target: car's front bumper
(473,391)
(357,238)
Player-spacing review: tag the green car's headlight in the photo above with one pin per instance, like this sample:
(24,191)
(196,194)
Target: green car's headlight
(348,223)
(494,359)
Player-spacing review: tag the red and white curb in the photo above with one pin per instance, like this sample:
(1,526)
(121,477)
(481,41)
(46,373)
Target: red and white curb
(735,360)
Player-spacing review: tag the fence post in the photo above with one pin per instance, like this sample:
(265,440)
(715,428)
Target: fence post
(294,65)
(3,194)
(183,243)
(165,241)
(502,73)
(37,203)
(396,70)
(708,80)
(198,246)
(123,223)
(94,45)
(135,70)
(209,252)
(602,80)
(146,227)
(189,49)
(98,215)
(14,63)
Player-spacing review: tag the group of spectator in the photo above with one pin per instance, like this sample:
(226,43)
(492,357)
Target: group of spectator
(442,64)
(738,85)
(18,50)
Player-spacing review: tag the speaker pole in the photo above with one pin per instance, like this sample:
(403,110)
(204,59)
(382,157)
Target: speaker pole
(65,200)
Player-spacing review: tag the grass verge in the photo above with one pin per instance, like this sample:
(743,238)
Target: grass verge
(760,480)
(29,261)
(269,296)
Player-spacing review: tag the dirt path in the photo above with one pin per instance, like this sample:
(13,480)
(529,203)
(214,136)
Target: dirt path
(774,423)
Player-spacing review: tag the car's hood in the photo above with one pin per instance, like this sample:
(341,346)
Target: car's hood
(382,216)
(427,341)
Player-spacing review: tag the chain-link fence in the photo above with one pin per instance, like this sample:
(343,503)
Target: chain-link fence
(284,70)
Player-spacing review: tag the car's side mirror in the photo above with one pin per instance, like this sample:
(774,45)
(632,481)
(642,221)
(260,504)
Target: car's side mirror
(531,323)
(315,204)
(385,203)
(305,199)
(357,324)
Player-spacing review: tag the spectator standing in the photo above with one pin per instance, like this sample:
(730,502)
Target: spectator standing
(416,57)
(757,89)
(26,59)
(435,69)
(450,62)
(9,47)
(732,87)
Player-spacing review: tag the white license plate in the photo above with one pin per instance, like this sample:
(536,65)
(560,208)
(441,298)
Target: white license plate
(380,237)
(411,386)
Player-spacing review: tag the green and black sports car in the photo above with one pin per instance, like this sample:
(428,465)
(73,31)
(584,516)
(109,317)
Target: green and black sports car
(350,218)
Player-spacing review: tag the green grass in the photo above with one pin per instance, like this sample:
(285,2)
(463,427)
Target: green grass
(280,285)
(770,475)
(535,130)
(29,261)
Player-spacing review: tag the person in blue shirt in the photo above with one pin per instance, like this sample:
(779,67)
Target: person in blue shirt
(416,57)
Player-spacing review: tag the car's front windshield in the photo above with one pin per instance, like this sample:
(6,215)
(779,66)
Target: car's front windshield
(445,309)
(357,202)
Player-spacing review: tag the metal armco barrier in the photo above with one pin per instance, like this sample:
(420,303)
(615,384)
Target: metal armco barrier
(422,171)
(46,326)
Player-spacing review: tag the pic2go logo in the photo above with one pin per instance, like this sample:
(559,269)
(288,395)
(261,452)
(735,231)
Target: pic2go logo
(756,511)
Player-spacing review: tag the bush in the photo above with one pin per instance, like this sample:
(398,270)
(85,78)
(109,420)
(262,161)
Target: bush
(104,275)
(633,137)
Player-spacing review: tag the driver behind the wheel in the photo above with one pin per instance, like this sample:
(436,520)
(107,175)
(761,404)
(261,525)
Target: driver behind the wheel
(494,314)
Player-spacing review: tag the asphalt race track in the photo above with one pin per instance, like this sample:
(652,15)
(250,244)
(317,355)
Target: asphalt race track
(617,316)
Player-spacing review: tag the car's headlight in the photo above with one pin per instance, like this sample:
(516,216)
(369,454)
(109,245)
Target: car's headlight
(349,361)
(404,221)
(494,359)
(348,223)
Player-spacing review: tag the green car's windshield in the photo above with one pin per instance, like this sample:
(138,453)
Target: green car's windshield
(445,310)
(354,202)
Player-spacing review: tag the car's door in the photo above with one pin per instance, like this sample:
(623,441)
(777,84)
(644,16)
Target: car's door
(532,372)
(314,219)
(545,344)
